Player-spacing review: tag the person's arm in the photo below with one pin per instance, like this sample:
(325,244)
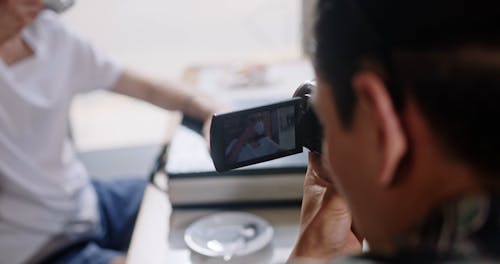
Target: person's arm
(165,95)
(325,221)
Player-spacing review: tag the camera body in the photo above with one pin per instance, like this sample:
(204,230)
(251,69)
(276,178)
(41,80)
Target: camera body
(309,125)
(268,132)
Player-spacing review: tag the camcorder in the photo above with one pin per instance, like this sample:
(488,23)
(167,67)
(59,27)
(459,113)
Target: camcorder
(58,6)
(267,132)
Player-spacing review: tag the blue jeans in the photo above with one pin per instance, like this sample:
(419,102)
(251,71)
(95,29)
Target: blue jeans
(119,203)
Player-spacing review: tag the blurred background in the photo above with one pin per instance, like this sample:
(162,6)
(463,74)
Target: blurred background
(164,39)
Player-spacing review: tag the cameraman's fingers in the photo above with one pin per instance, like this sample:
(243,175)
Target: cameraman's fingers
(336,214)
(311,203)
(329,233)
(317,174)
(335,209)
(314,188)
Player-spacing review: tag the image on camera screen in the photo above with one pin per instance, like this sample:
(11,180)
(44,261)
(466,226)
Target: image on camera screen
(259,134)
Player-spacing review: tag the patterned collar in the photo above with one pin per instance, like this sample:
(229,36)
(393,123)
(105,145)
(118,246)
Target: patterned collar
(468,227)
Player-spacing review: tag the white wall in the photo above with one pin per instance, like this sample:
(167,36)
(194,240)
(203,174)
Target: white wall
(164,36)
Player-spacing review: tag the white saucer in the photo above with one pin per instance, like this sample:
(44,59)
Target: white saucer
(228,234)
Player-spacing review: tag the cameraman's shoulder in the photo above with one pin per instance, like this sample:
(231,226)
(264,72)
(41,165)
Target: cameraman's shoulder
(369,258)
(341,260)
(413,257)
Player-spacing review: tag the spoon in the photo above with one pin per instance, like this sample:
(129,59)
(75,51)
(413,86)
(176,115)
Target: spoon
(245,234)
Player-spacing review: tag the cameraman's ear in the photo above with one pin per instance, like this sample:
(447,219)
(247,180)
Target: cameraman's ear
(392,145)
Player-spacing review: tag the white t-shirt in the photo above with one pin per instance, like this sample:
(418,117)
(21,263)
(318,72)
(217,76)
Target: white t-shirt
(44,188)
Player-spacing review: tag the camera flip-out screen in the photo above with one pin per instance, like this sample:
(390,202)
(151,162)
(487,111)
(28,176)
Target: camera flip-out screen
(255,135)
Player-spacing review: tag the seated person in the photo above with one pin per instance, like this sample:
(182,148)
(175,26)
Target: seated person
(48,204)
(254,142)
(408,94)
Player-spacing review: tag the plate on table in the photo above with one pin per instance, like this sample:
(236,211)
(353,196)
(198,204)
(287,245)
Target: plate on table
(228,234)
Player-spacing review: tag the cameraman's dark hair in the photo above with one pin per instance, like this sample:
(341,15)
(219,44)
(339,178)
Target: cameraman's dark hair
(444,54)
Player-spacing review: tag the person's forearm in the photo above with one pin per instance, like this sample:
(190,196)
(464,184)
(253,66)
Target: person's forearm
(164,95)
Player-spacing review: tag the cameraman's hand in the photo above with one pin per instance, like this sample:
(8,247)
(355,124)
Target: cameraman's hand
(16,14)
(325,220)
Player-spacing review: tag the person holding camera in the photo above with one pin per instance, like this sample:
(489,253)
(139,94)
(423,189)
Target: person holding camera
(50,210)
(408,96)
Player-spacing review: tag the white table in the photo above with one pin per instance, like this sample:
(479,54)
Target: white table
(158,237)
